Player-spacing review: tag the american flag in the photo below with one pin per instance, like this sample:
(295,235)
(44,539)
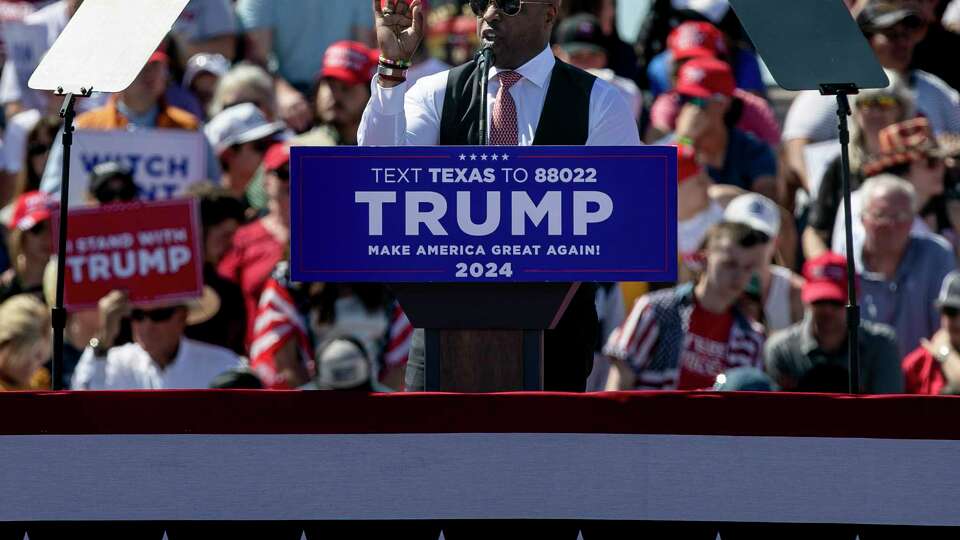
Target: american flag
(398,339)
(276,323)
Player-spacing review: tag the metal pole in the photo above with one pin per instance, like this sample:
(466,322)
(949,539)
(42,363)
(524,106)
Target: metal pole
(853,310)
(59,314)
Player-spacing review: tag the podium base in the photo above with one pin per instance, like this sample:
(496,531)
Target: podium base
(481,361)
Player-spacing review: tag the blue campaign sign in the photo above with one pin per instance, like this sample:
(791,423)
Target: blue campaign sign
(484,214)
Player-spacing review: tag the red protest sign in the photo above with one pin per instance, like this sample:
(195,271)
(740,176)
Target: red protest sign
(150,250)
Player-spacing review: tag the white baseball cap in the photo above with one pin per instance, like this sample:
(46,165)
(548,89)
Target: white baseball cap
(239,124)
(755,211)
(215,64)
(342,365)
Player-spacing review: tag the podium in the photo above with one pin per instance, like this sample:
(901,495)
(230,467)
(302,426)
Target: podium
(484,247)
(472,343)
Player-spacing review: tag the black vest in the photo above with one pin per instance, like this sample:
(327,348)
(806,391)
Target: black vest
(565,120)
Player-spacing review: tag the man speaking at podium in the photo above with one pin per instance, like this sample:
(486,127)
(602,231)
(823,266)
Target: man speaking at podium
(533,99)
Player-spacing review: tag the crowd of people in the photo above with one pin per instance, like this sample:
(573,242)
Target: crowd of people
(759,303)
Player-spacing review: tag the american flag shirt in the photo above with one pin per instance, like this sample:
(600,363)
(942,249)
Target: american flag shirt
(653,337)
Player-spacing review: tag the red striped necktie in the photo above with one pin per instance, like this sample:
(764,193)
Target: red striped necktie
(503,125)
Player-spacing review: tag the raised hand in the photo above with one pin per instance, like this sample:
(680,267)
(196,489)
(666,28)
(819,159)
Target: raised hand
(113,308)
(399,27)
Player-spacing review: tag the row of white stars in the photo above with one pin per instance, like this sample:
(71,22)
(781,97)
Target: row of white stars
(483,157)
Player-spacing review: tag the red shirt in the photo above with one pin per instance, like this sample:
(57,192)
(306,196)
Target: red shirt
(704,354)
(249,263)
(922,373)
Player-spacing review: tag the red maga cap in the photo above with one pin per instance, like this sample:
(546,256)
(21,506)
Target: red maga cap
(694,39)
(31,208)
(705,78)
(826,278)
(349,61)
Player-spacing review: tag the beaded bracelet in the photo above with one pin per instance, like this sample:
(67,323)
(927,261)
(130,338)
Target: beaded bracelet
(395,64)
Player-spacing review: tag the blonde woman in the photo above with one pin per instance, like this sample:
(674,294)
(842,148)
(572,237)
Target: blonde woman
(873,110)
(24,343)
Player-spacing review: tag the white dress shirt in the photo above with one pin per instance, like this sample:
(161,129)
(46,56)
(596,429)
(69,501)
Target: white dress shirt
(410,115)
(129,367)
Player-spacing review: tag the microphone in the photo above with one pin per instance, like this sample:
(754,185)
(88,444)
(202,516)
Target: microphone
(486,53)
(485,59)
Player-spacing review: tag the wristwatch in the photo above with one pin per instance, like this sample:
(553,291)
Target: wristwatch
(943,353)
(99,352)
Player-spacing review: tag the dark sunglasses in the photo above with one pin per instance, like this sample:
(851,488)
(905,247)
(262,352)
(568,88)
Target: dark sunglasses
(107,195)
(509,8)
(950,312)
(155,315)
(39,228)
(283,173)
(754,238)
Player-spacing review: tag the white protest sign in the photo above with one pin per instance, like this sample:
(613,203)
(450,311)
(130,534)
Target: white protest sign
(164,161)
(26,44)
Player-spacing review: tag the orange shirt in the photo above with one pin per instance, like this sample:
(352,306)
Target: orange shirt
(109,117)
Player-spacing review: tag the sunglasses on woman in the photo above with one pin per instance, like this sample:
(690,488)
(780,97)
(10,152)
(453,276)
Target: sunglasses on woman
(877,102)
(509,8)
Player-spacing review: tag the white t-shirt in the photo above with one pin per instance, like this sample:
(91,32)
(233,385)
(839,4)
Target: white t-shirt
(814,117)
(129,367)
(690,233)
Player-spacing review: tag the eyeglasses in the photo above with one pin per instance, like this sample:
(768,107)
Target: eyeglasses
(509,8)
(950,312)
(155,315)
(877,102)
(895,218)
